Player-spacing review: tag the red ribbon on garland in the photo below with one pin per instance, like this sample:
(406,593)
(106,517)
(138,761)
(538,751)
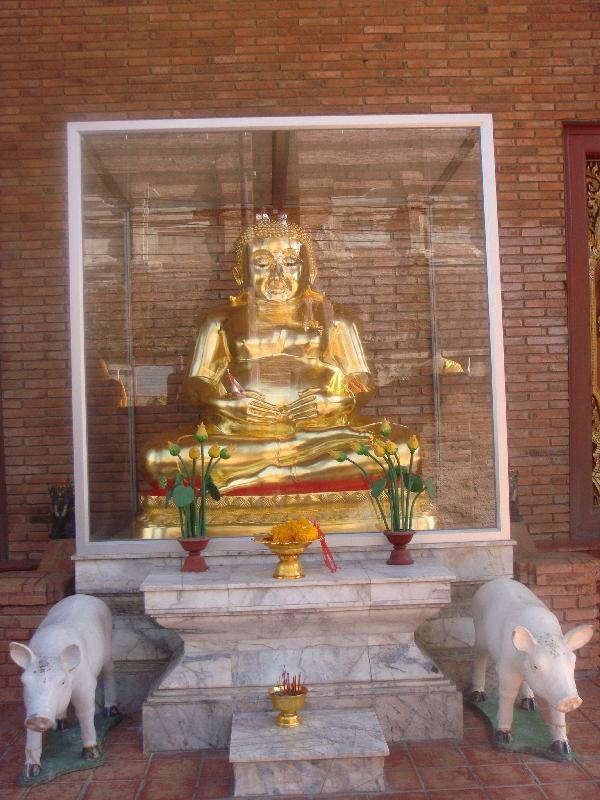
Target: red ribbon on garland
(328,558)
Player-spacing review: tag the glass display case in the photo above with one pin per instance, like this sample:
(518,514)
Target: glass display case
(364,286)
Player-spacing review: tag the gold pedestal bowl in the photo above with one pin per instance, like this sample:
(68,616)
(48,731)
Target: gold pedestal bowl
(289,566)
(288,706)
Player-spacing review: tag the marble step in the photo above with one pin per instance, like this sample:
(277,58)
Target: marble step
(331,751)
(350,634)
(225,596)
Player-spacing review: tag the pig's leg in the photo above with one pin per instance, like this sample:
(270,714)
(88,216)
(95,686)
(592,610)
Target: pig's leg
(526,698)
(558,731)
(110,693)
(480,661)
(108,673)
(33,754)
(508,687)
(62,723)
(84,708)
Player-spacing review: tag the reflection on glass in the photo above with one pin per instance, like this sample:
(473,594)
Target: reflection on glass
(395,217)
(279,374)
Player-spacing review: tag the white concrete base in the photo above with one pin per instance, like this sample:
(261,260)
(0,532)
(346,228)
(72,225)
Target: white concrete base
(142,649)
(350,634)
(332,751)
(202,719)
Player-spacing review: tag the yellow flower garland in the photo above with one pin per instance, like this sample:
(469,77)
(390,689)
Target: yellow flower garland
(296,530)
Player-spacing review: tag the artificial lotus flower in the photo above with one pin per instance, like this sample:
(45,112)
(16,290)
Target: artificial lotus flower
(413,443)
(191,485)
(385,429)
(201,433)
(394,487)
(360,448)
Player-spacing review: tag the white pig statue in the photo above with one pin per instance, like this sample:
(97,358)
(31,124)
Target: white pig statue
(524,639)
(72,645)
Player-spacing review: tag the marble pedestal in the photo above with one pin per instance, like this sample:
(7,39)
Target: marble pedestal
(350,634)
(332,751)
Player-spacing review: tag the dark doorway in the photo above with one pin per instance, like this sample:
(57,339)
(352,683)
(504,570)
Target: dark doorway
(582,176)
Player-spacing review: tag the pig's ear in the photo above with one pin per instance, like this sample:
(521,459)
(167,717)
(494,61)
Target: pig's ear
(71,656)
(21,654)
(523,639)
(577,637)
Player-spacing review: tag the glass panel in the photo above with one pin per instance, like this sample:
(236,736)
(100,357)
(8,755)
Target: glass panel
(394,324)
(107,298)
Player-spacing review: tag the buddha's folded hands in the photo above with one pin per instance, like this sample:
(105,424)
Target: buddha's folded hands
(251,406)
(316,403)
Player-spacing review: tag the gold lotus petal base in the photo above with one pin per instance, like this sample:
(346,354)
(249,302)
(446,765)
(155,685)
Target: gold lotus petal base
(342,512)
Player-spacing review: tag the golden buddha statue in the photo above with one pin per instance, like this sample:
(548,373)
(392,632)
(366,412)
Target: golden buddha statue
(278,373)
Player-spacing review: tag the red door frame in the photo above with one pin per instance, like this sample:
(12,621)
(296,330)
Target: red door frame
(580,141)
(3,515)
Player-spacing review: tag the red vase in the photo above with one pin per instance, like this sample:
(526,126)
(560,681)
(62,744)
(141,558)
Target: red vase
(399,555)
(194,561)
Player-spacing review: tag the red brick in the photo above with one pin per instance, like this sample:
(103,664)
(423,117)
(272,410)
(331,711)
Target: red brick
(530,63)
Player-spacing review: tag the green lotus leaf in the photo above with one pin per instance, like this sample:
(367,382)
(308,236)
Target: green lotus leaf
(416,483)
(212,489)
(183,495)
(378,487)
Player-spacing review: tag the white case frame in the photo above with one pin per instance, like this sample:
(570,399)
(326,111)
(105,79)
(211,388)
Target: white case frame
(75,132)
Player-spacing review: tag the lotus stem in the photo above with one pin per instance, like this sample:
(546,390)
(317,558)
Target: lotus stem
(202,525)
(392,481)
(377,500)
(412,507)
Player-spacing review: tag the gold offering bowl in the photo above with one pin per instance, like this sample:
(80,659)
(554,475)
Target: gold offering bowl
(288,706)
(289,566)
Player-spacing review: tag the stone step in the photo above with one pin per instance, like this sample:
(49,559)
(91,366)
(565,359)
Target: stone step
(331,751)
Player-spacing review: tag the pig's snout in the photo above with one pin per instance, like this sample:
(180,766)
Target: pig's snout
(39,724)
(569,704)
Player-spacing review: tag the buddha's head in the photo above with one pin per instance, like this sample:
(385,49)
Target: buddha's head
(274,259)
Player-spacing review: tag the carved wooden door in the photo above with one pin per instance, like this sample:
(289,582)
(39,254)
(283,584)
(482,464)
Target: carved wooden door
(582,161)
(3,516)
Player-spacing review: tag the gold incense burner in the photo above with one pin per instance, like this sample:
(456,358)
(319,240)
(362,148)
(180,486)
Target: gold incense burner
(288,706)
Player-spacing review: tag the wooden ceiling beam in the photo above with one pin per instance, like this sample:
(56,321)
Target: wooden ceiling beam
(279,171)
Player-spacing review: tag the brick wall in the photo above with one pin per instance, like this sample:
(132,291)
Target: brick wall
(568,584)
(25,599)
(529,63)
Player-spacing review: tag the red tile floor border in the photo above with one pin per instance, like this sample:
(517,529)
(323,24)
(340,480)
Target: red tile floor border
(469,769)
